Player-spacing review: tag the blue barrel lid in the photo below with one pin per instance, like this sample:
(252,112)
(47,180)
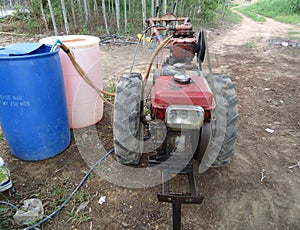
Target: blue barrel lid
(19,49)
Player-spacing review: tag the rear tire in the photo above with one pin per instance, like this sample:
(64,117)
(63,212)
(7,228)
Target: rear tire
(224,122)
(127,128)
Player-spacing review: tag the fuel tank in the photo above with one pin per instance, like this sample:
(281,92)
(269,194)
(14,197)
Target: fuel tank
(168,90)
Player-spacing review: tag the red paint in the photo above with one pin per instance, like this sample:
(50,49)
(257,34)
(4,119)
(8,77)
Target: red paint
(167,92)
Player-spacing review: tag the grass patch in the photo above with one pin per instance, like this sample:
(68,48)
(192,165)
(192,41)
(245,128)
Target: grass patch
(250,45)
(250,14)
(6,217)
(279,10)
(294,35)
(1,136)
(293,32)
(57,193)
(294,38)
(232,17)
(290,19)
(110,88)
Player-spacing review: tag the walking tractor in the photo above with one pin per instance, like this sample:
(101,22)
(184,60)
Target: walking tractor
(187,117)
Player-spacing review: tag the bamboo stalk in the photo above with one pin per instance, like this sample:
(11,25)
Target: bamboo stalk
(65,16)
(104,16)
(52,17)
(43,16)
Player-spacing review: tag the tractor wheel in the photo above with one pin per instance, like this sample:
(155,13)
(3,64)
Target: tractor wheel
(224,122)
(201,47)
(127,128)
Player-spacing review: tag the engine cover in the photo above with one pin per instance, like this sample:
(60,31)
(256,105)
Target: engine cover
(183,47)
(166,91)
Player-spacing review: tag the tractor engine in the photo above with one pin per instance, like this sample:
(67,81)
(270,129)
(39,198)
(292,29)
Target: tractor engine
(189,97)
(183,44)
(184,103)
(181,98)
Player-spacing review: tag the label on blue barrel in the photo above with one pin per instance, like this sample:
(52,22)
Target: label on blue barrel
(13,100)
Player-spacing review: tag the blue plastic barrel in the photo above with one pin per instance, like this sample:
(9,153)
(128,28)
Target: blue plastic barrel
(33,110)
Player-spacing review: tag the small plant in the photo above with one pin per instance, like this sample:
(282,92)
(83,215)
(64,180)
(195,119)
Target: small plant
(250,45)
(1,136)
(58,193)
(6,218)
(111,88)
(78,218)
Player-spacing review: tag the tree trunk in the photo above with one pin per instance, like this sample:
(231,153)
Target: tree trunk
(129,7)
(144,18)
(104,16)
(43,16)
(111,7)
(86,10)
(152,8)
(117,2)
(182,8)
(65,16)
(95,9)
(74,15)
(52,17)
(80,11)
(125,15)
(165,6)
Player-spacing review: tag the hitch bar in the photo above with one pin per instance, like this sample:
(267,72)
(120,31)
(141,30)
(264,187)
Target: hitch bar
(177,199)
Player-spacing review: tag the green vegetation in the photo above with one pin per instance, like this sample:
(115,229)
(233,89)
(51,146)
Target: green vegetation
(206,11)
(1,136)
(294,32)
(250,45)
(250,14)
(232,17)
(53,195)
(58,193)
(294,36)
(111,87)
(287,11)
(90,19)
(6,217)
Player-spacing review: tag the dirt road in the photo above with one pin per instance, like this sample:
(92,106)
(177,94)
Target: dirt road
(267,79)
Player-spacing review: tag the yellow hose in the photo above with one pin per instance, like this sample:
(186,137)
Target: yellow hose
(161,45)
(84,76)
(88,80)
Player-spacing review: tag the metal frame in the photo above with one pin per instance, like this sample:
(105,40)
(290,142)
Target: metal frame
(176,199)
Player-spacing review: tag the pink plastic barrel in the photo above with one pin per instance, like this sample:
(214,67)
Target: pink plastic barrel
(85,107)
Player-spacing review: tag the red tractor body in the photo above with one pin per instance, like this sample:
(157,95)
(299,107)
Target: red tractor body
(166,91)
(192,115)
(183,48)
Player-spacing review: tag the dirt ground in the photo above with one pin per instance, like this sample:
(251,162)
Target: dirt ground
(267,79)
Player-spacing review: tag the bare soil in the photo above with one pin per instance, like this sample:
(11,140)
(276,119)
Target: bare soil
(267,79)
